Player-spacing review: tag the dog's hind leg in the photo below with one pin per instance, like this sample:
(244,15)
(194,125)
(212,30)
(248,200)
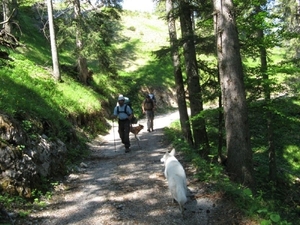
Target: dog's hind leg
(138,141)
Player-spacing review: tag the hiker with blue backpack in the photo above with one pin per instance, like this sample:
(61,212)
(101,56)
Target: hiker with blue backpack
(124,114)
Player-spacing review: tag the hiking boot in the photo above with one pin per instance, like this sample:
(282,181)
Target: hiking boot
(152,129)
(127,150)
(148,130)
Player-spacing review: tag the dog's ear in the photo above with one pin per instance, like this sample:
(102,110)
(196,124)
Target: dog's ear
(172,152)
(165,156)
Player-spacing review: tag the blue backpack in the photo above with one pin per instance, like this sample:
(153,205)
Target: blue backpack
(128,104)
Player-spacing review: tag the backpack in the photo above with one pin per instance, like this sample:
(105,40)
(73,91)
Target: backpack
(128,103)
(152,96)
(148,105)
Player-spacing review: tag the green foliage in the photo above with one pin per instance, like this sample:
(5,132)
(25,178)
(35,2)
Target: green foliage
(206,170)
(120,59)
(24,213)
(271,203)
(119,55)
(28,2)
(8,200)
(131,28)
(22,206)
(28,90)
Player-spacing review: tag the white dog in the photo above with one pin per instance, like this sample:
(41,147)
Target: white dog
(176,177)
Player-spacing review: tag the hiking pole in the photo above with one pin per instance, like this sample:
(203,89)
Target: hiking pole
(114,135)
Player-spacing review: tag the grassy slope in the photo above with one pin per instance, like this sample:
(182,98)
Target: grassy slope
(140,69)
(149,34)
(28,90)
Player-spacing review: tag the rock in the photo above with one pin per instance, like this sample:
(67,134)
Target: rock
(83,165)
(24,160)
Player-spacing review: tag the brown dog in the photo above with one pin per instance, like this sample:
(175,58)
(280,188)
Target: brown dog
(135,131)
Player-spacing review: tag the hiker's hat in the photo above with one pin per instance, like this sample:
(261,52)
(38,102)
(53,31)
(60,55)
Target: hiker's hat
(121,98)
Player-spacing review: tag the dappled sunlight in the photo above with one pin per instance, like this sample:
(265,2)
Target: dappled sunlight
(292,155)
(119,188)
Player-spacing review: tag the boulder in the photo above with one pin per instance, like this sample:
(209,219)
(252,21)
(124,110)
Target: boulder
(26,159)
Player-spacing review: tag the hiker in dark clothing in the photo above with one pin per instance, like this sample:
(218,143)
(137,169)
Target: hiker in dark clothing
(124,114)
(148,108)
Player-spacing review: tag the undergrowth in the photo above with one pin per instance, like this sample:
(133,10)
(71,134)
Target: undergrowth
(272,203)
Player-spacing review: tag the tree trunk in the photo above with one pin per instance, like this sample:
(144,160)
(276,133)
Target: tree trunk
(269,114)
(221,158)
(194,88)
(83,69)
(6,6)
(55,62)
(81,60)
(239,161)
(183,114)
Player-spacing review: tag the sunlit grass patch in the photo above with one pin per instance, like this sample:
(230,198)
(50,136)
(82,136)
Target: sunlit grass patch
(292,156)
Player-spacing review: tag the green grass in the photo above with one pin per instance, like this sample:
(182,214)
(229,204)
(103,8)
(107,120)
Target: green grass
(29,93)
(31,89)
(30,76)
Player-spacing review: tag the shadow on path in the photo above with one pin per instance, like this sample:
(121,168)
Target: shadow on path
(127,188)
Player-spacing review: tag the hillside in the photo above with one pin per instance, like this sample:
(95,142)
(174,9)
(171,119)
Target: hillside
(149,32)
(42,112)
(141,35)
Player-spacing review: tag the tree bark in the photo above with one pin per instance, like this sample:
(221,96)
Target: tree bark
(9,11)
(182,106)
(6,5)
(221,158)
(55,62)
(81,60)
(239,161)
(194,88)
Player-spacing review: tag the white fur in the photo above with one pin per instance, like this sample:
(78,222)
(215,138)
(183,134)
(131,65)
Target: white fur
(176,177)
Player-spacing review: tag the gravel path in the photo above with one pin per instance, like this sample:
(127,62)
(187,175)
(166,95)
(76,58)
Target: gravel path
(113,188)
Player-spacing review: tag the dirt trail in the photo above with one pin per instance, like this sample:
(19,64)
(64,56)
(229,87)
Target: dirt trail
(129,188)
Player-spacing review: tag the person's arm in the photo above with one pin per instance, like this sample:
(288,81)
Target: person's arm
(143,109)
(115,113)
